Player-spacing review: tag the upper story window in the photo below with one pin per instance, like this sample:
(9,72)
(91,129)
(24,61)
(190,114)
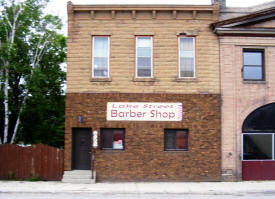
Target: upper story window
(186,57)
(253,64)
(144,56)
(100,56)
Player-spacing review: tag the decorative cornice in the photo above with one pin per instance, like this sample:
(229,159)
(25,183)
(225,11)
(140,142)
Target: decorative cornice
(252,18)
(155,10)
(256,32)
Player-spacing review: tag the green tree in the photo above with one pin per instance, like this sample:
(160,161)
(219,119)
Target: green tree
(31,51)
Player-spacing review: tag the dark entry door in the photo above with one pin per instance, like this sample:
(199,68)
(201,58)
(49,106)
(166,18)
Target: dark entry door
(81,149)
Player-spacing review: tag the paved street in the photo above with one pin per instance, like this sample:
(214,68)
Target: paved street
(130,196)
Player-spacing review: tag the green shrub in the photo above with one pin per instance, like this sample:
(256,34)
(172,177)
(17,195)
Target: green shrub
(34,178)
(11,175)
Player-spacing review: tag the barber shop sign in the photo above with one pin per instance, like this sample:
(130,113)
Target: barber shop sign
(144,111)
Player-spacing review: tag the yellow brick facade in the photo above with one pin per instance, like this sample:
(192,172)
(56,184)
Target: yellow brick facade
(122,24)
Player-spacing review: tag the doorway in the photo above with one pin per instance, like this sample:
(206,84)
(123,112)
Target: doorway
(258,140)
(81,154)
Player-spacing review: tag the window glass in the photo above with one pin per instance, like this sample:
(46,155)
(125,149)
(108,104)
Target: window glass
(187,57)
(186,44)
(257,146)
(144,42)
(252,72)
(252,58)
(144,62)
(253,64)
(144,57)
(112,139)
(144,52)
(187,67)
(262,119)
(106,139)
(181,140)
(175,139)
(118,139)
(100,56)
(170,140)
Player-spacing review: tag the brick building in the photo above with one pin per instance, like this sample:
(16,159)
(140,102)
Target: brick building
(146,80)
(247,57)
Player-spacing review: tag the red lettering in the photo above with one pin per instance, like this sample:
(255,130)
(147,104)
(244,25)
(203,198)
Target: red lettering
(139,114)
(113,113)
(121,114)
(152,113)
(132,114)
(171,115)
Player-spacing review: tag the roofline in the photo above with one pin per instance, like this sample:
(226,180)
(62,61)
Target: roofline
(88,7)
(245,31)
(243,19)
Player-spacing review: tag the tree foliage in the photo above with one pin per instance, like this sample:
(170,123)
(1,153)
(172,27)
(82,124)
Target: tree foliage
(30,72)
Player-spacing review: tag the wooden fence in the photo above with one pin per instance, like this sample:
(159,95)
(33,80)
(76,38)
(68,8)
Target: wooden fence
(35,161)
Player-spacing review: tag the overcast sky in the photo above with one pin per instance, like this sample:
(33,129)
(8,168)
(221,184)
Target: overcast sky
(58,7)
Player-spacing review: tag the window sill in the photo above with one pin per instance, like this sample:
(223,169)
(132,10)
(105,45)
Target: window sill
(113,150)
(175,150)
(99,79)
(254,81)
(182,79)
(144,79)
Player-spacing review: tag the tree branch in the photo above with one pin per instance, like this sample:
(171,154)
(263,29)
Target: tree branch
(18,118)
(7,19)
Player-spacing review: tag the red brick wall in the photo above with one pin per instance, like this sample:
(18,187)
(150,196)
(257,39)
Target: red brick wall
(144,158)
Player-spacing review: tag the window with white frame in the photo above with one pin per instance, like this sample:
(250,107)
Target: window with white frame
(259,134)
(258,146)
(144,56)
(100,56)
(186,57)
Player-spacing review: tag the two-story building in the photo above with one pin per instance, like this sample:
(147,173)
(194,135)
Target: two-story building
(247,60)
(144,80)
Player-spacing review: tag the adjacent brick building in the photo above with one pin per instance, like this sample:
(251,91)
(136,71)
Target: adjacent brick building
(247,57)
(129,62)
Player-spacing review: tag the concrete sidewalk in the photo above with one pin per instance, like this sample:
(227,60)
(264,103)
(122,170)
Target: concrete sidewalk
(207,188)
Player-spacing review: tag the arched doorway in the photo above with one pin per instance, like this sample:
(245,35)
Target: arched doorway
(258,144)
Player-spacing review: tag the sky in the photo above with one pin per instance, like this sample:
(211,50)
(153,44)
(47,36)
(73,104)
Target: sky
(58,7)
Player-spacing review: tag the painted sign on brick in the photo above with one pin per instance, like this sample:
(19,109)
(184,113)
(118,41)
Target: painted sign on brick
(144,111)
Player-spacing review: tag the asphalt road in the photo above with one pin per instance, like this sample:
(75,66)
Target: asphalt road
(129,196)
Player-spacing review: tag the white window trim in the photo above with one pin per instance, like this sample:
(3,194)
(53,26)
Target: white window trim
(194,51)
(273,147)
(152,71)
(93,76)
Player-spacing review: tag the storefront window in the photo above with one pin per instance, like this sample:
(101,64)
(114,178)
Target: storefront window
(257,147)
(258,134)
(112,139)
(175,139)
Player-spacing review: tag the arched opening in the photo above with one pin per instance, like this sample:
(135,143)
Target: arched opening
(262,119)
(258,150)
